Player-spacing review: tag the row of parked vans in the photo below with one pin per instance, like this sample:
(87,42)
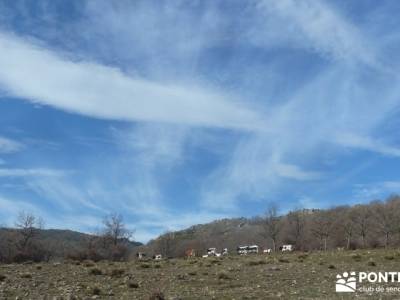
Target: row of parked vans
(241,250)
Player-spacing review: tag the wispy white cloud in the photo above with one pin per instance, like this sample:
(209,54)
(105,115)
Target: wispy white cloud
(8,146)
(59,191)
(9,209)
(375,190)
(154,144)
(31,172)
(103,92)
(148,228)
(295,172)
(367,143)
(314,25)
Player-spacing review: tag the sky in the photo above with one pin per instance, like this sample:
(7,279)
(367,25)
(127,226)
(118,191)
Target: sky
(175,113)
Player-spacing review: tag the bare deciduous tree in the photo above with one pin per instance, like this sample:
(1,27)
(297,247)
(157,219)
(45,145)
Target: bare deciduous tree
(28,225)
(115,237)
(165,243)
(115,229)
(362,217)
(296,223)
(322,225)
(386,218)
(272,224)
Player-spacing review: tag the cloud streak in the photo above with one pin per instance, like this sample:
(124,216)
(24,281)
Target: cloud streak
(318,27)
(367,143)
(31,173)
(103,92)
(9,146)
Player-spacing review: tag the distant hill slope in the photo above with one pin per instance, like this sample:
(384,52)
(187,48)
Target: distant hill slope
(61,240)
(225,233)
(369,225)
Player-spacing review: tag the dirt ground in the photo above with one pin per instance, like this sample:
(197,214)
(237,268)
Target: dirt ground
(285,276)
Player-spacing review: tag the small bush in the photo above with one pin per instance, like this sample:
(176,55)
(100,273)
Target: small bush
(95,271)
(26,275)
(302,256)
(192,273)
(389,257)
(371,263)
(133,285)
(331,267)
(356,257)
(88,263)
(283,260)
(2,277)
(223,275)
(38,267)
(117,272)
(257,262)
(77,255)
(145,266)
(157,296)
(96,290)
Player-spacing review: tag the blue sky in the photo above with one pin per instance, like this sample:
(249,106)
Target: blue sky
(181,112)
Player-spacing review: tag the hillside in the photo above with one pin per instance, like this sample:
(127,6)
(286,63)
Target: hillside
(225,233)
(60,240)
(371,225)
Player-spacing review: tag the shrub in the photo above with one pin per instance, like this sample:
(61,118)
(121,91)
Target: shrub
(257,262)
(283,260)
(157,296)
(77,255)
(88,263)
(223,275)
(356,257)
(372,263)
(389,257)
(26,275)
(133,285)
(2,277)
(95,271)
(145,266)
(302,256)
(331,267)
(120,252)
(96,290)
(117,272)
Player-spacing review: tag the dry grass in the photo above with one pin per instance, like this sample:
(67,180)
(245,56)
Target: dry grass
(285,276)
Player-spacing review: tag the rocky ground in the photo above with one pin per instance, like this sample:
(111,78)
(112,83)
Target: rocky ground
(285,276)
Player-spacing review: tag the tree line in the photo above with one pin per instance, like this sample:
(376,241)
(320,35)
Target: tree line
(24,242)
(372,225)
